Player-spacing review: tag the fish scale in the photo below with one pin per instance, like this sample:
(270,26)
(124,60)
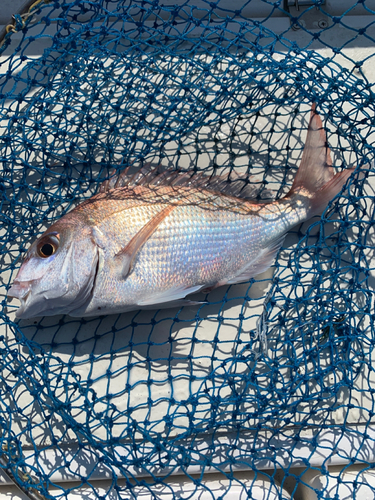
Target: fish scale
(191,247)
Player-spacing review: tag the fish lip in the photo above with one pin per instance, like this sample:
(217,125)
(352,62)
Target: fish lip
(20,289)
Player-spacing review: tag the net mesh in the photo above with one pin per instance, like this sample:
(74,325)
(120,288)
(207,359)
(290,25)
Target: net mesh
(270,382)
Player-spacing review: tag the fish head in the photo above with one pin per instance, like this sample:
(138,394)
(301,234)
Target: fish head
(58,272)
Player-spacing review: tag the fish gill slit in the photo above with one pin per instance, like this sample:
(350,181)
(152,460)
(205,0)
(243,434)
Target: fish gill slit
(96,273)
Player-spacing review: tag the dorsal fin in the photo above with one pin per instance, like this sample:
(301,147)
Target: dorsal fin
(149,175)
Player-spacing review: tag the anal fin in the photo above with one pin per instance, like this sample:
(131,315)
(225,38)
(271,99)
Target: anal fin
(261,264)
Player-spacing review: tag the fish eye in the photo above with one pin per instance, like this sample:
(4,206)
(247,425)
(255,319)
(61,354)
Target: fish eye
(47,246)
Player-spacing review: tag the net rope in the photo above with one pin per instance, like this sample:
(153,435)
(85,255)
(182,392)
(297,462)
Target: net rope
(269,380)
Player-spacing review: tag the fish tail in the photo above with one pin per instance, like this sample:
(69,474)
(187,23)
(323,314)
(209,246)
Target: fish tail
(316,178)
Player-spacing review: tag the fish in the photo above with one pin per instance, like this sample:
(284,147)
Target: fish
(150,239)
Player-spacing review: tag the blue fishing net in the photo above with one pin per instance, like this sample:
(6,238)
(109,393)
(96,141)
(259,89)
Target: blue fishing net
(265,391)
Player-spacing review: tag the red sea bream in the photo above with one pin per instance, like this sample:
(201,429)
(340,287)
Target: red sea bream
(152,239)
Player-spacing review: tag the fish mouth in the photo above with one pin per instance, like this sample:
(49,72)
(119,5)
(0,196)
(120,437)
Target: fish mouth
(20,289)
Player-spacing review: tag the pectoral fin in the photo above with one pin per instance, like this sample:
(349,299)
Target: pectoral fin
(128,253)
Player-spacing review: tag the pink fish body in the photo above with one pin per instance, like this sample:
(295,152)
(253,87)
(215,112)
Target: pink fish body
(150,240)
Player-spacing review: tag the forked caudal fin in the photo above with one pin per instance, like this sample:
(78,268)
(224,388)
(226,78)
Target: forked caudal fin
(315,174)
